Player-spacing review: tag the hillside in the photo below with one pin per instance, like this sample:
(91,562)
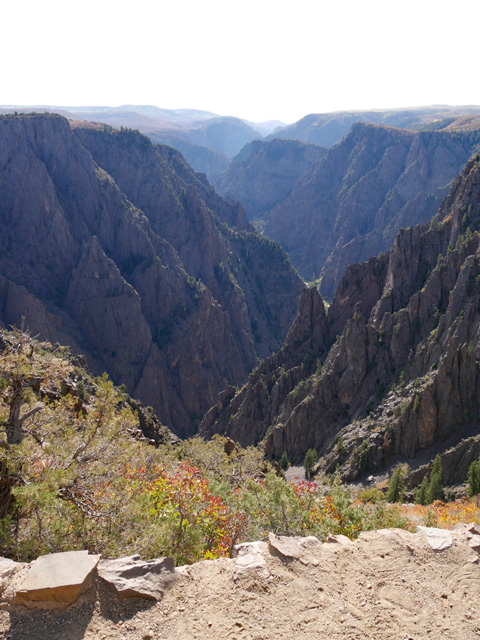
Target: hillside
(391,369)
(84,476)
(351,205)
(265,173)
(113,246)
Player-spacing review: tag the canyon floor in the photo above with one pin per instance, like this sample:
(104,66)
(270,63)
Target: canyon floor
(386,585)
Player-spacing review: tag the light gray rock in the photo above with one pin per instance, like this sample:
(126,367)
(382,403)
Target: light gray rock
(474,543)
(295,547)
(8,567)
(438,539)
(56,580)
(133,577)
(251,559)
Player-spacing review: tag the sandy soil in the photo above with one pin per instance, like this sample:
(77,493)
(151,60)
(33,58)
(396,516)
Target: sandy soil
(388,584)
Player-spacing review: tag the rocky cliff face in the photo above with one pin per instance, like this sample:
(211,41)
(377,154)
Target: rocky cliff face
(351,205)
(265,173)
(394,365)
(114,246)
(203,160)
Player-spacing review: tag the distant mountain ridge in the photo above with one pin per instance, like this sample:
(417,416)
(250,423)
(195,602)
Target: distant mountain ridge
(326,129)
(351,204)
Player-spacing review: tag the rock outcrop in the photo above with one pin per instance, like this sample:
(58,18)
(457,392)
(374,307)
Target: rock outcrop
(265,173)
(396,360)
(112,245)
(351,205)
(389,583)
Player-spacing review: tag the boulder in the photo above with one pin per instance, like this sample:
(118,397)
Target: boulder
(250,559)
(56,580)
(474,543)
(133,577)
(438,539)
(473,528)
(7,569)
(297,548)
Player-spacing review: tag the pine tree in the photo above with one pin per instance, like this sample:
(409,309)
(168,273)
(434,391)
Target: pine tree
(396,486)
(284,461)
(28,370)
(421,494)
(474,478)
(311,458)
(435,486)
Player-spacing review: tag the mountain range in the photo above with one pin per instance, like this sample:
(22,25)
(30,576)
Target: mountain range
(326,129)
(350,205)
(113,245)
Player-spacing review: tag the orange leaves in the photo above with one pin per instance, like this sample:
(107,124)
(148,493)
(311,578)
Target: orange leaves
(445,514)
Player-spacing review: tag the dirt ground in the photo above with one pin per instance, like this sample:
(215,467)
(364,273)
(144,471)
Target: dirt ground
(387,585)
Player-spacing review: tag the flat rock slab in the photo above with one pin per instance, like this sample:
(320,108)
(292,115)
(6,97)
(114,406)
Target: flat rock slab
(438,539)
(56,579)
(133,577)
(295,547)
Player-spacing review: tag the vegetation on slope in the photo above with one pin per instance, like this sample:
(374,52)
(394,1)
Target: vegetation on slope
(80,475)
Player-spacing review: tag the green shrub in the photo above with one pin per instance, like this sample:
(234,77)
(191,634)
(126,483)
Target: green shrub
(372,495)
(284,464)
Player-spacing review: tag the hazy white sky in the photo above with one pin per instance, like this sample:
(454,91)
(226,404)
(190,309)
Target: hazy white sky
(256,59)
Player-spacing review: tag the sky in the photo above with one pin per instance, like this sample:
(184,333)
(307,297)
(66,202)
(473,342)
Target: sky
(259,60)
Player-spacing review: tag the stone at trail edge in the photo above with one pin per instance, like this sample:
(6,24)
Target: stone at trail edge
(250,558)
(295,547)
(56,579)
(339,539)
(438,539)
(7,567)
(131,576)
